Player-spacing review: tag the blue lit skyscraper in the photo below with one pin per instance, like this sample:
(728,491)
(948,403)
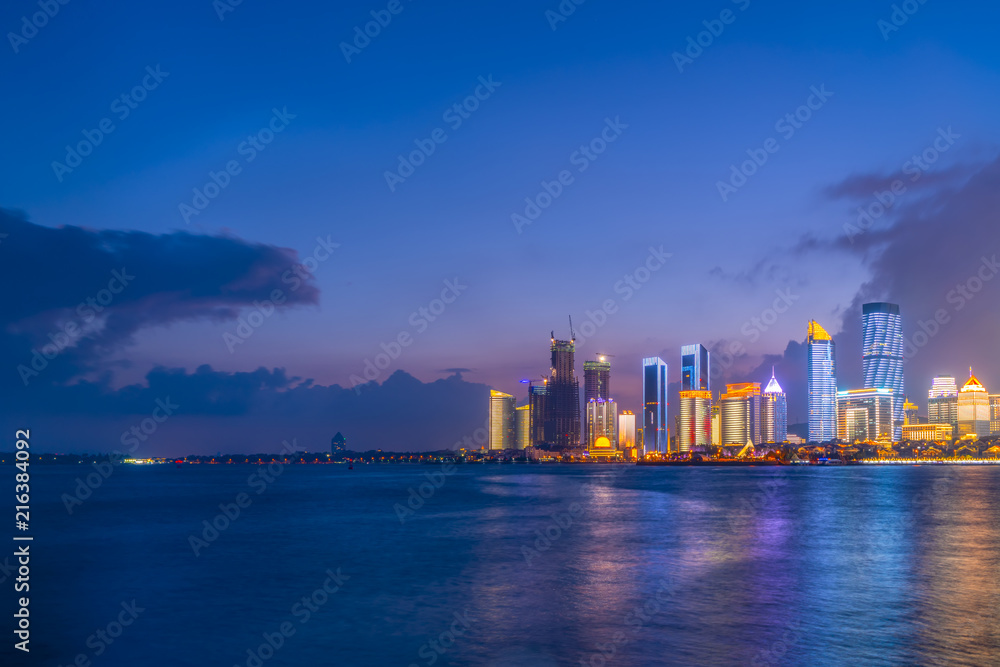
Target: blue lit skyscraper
(882,356)
(694,368)
(654,401)
(822,371)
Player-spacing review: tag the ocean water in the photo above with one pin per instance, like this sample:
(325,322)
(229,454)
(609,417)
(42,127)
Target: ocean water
(515,565)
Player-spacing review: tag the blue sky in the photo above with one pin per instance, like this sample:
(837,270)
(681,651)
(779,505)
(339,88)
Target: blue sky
(323,175)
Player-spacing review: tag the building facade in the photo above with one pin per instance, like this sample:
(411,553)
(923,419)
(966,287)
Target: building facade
(942,402)
(654,402)
(602,421)
(596,386)
(626,430)
(695,423)
(882,356)
(973,408)
(502,428)
(739,412)
(866,415)
(562,403)
(537,400)
(927,432)
(822,381)
(522,421)
(695,369)
(994,414)
(774,412)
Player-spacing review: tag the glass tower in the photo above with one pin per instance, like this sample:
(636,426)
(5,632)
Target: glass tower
(694,368)
(942,402)
(822,380)
(562,401)
(654,401)
(774,412)
(882,356)
(502,428)
(740,411)
(596,386)
(695,420)
(865,414)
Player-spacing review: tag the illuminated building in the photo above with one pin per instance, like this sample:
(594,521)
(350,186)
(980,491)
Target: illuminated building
(695,423)
(626,430)
(865,414)
(910,413)
(602,420)
(596,385)
(654,401)
(739,412)
(522,421)
(882,355)
(537,399)
(338,443)
(501,420)
(973,408)
(927,432)
(694,368)
(716,424)
(562,404)
(602,449)
(822,380)
(942,402)
(774,412)
(994,414)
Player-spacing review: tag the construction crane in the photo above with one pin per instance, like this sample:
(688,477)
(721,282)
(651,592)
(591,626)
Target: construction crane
(572,334)
(601,355)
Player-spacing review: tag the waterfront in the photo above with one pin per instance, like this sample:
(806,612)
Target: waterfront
(523,565)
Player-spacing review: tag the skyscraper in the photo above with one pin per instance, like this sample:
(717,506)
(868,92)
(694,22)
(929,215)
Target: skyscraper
(994,414)
(654,400)
(822,380)
(942,402)
(602,421)
(522,420)
(695,368)
(562,404)
(596,385)
(866,414)
(501,420)
(695,429)
(774,412)
(739,410)
(626,430)
(973,408)
(882,356)
(537,399)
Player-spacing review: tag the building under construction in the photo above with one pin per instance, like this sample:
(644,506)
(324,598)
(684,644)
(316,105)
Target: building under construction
(562,400)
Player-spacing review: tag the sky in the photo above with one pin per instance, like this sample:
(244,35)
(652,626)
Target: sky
(285,198)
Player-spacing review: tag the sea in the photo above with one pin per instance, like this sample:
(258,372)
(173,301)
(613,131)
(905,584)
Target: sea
(509,564)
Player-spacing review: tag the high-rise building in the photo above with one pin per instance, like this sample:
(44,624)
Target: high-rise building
(654,401)
(338,443)
(695,368)
(882,355)
(866,414)
(822,380)
(626,430)
(522,421)
(973,408)
(716,424)
(562,405)
(602,421)
(596,385)
(774,412)
(501,420)
(994,414)
(740,414)
(537,399)
(695,423)
(910,416)
(942,402)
